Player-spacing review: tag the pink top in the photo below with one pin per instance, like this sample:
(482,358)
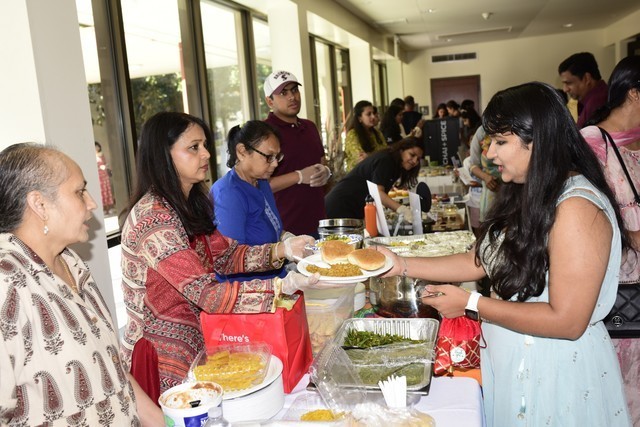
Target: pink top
(616,177)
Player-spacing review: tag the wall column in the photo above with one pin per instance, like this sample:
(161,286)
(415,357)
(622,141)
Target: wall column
(45,100)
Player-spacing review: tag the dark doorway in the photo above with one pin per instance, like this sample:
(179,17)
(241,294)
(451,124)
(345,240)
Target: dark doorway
(456,88)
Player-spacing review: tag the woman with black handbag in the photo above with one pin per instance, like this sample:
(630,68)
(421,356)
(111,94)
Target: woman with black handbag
(614,136)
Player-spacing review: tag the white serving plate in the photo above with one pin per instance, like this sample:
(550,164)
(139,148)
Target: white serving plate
(302,268)
(273,371)
(261,404)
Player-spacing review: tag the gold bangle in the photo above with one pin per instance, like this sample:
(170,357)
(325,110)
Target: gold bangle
(276,261)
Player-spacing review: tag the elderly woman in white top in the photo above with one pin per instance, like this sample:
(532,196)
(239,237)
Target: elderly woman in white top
(59,361)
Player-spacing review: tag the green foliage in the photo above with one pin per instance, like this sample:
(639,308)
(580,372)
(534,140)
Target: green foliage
(152,94)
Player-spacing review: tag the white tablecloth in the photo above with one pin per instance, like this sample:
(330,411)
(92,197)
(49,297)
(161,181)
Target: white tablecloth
(452,402)
(441,184)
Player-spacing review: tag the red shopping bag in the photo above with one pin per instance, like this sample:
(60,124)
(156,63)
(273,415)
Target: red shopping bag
(286,331)
(458,345)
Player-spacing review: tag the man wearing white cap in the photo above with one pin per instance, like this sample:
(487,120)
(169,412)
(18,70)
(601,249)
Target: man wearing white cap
(299,179)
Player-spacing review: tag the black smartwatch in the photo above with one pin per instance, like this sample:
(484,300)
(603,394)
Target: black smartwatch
(471,310)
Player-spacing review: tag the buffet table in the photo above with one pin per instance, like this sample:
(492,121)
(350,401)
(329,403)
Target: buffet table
(452,402)
(440,181)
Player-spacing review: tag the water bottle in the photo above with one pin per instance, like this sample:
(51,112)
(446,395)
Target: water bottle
(215,418)
(370,216)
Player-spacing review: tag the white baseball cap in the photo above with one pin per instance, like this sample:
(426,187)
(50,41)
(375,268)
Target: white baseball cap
(276,80)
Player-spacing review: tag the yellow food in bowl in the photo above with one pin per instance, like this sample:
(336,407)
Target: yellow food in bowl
(233,371)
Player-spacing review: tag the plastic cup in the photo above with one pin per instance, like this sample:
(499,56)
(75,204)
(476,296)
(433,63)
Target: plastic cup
(207,392)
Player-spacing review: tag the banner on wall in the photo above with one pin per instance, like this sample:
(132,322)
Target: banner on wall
(441,139)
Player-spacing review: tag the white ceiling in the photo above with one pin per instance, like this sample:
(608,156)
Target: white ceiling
(422,24)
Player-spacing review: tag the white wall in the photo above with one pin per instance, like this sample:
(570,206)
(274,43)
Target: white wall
(45,100)
(20,102)
(507,63)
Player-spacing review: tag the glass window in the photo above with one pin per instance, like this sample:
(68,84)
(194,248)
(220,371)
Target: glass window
(325,93)
(262,43)
(228,95)
(380,92)
(154,56)
(110,162)
(343,90)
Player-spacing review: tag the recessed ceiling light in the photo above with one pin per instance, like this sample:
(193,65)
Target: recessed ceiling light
(569,25)
(431,10)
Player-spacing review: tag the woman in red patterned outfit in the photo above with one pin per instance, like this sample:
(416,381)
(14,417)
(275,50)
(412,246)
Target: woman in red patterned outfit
(171,251)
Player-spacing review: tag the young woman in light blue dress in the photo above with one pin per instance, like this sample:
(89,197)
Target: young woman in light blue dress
(551,248)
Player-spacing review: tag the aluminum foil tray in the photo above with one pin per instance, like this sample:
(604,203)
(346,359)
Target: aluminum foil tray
(426,245)
(421,356)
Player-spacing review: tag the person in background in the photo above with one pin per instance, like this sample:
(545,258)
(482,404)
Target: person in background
(376,117)
(362,137)
(59,362)
(483,168)
(453,108)
(467,104)
(620,117)
(581,80)
(400,161)
(244,206)
(171,252)
(298,181)
(474,195)
(411,117)
(104,176)
(441,111)
(390,125)
(398,102)
(552,247)
(471,121)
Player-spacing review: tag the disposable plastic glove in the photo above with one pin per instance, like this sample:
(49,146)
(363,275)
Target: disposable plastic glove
(295,246)
(406,212)
(322,175)
(296,281)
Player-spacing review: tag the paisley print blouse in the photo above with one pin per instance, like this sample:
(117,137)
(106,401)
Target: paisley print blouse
(168,280)
(59,360)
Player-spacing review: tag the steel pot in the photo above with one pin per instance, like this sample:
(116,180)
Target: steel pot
(340,227)
(399,296)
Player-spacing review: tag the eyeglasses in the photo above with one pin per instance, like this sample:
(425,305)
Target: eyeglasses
(270,157)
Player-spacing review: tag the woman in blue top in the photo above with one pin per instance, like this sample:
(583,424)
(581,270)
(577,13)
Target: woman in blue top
(245,208)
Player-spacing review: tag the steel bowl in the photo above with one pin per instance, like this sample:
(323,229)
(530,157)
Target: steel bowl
(341,227)
(399,296)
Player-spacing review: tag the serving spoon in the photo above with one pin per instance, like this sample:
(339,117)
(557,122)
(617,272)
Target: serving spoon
(319,264)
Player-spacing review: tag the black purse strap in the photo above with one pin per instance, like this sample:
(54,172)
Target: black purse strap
(607,137)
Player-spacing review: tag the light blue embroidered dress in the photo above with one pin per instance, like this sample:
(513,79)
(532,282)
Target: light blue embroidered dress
(535,381)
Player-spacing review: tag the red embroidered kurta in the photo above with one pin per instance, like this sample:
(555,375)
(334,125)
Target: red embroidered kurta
(168,281)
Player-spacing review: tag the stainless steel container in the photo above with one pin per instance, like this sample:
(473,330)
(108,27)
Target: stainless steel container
(399,296)
(340,227)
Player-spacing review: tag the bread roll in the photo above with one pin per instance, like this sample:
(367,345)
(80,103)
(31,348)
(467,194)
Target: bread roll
(335,251)
(367,259)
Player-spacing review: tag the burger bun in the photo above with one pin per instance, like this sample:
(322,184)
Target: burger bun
(335,251)
(367,259)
